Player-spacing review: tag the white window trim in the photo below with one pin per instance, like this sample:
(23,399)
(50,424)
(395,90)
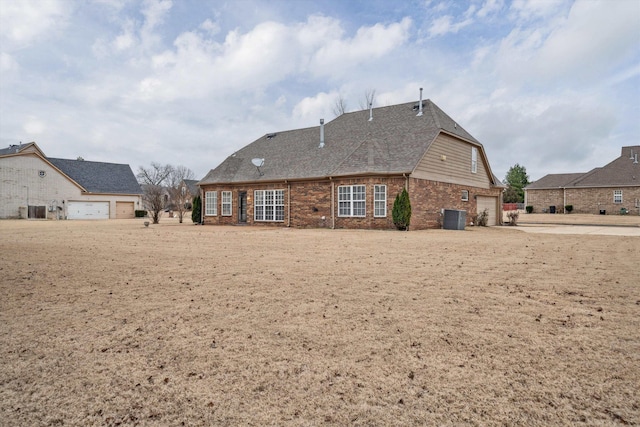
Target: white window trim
(275,204)
(227,206)
(211,203)
(377,202)
(615,194)
(474,160)
(350,202)
(465,195)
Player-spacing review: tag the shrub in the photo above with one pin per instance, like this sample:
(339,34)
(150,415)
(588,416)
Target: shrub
(196,209)
(513,217)
(529,209)
(402,211)
(482,218)
(140,213)
(568,208)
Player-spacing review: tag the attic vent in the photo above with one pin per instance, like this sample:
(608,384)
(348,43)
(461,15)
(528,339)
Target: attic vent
(271,135)
(417,106)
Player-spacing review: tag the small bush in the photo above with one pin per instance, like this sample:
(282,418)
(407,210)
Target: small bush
(513,217)
(140,213)
(402,211)
(482,218)
(568,208)
(196,210)
(529,209)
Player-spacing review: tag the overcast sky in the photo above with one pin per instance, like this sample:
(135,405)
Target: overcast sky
(551,85)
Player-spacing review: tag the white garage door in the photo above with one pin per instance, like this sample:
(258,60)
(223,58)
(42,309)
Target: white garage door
(88,210)
(490,204)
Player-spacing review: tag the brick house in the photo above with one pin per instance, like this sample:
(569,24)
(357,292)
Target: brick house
(37,187)
(346,173)
(611,189)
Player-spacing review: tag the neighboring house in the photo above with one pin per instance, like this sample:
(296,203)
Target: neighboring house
(189,189)
(347,173)
(611,189)
(35,186)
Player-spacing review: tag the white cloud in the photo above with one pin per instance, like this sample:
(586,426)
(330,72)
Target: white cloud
(22,22)
(34,126)
(445,25)
(316,107)
(368,43)
(267,54)
(490,7)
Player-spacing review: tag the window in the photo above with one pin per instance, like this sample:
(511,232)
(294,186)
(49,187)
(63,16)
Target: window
(617,196)
(226,203)
(465,195)
(379,200)
(474,160)
(351,200)
(211,203)
(268,205)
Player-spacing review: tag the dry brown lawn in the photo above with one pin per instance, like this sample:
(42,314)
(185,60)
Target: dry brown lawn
(111,323)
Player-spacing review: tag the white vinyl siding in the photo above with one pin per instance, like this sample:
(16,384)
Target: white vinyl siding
(351,200)
(226,203)
(211,203)
(617,196)
(268,205)
(380,201)
(474,160)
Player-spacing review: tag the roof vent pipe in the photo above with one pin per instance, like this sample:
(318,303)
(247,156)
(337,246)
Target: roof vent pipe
(420,107)
(321,133)
(370,111)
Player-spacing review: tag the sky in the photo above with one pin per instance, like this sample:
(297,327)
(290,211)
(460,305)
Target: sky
(551,85)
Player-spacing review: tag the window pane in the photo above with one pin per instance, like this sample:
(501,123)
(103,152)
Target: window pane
(211,203)
(380,200)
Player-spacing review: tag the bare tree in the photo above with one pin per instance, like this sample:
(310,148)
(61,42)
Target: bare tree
(339,106)
(369,97)
(152,181)
(178,190)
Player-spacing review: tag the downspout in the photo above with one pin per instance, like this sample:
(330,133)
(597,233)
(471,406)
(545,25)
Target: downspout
(288,204)
(564,199)
(333,211)
(201,210)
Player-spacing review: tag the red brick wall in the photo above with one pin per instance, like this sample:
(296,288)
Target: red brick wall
(584,200)
(428,198)
(541,200)
(308,203)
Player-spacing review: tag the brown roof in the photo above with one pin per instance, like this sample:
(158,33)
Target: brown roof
(393,142)
(622,172)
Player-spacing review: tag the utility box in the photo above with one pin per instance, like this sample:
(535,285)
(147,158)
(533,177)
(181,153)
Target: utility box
(454,219)
(22,212)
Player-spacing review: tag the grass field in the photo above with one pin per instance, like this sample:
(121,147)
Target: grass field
(111,323)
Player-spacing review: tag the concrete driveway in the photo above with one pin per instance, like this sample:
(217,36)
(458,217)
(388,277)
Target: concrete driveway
(607,230)
(611,225)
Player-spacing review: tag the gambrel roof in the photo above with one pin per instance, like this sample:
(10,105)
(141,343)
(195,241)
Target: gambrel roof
(393,142)
(622,172)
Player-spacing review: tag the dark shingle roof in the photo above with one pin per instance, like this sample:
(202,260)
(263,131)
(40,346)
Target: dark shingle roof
(393,142)
(192,186)
(622,172)
(98,177)
(9,150)
(554,180)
